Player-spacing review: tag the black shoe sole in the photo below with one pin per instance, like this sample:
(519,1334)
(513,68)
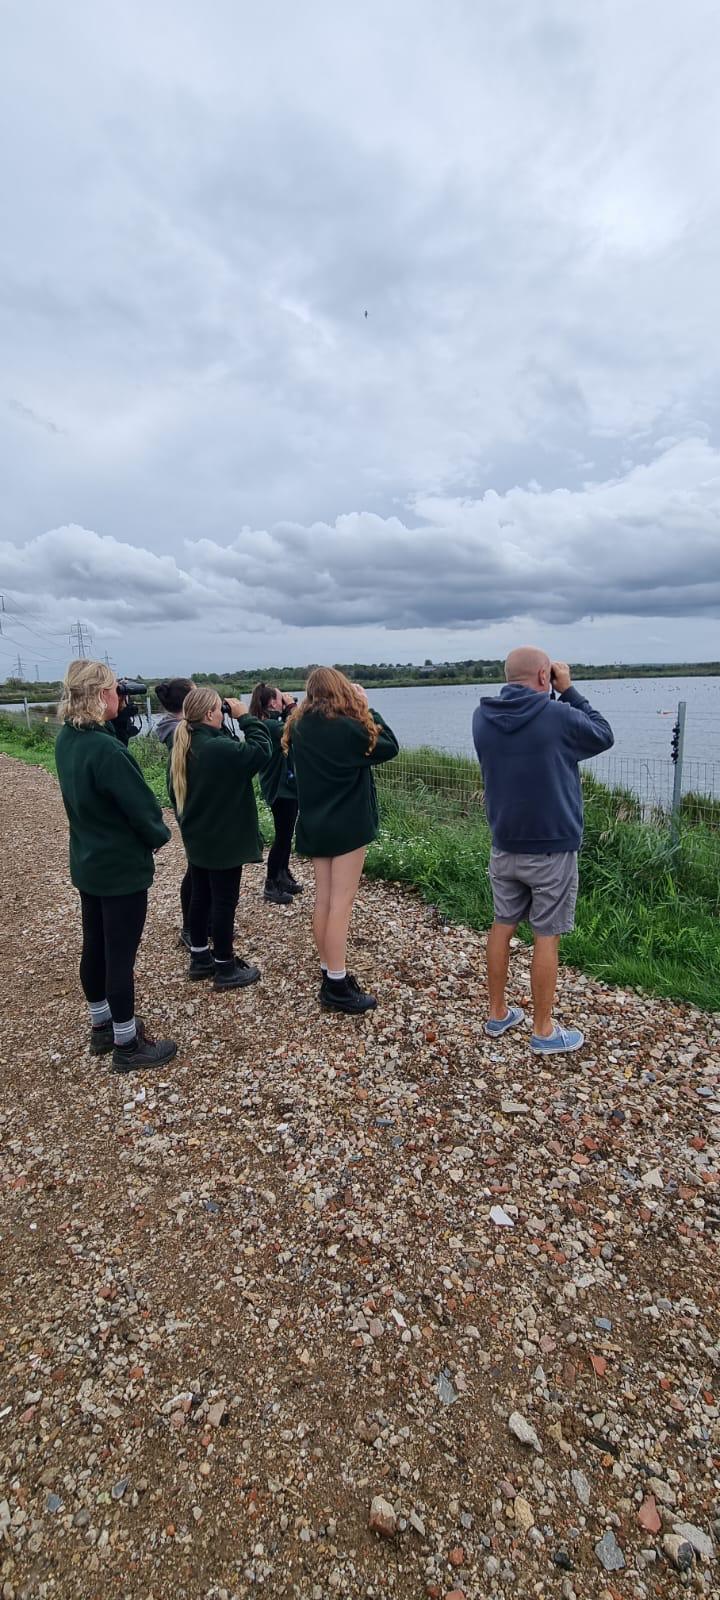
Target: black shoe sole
(197,977)
(278,899)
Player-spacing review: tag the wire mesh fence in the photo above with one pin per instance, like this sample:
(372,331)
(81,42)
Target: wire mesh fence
(452,785)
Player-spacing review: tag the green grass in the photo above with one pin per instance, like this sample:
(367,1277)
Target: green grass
(648,913)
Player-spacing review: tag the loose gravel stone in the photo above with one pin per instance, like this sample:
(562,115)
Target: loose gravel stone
(267,1287)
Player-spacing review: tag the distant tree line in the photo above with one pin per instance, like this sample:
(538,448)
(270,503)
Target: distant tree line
(385,674)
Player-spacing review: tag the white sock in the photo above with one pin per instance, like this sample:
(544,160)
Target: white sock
(199,949)
(336,977)
(99,1012)
(124,1032)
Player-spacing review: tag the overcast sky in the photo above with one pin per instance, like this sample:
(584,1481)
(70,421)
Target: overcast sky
(212,457)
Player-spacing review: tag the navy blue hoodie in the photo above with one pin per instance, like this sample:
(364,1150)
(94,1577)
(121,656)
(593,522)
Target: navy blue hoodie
(528,747)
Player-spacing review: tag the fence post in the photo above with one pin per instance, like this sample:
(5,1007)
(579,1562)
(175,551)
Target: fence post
(149,712)
(676,749)
(27,710)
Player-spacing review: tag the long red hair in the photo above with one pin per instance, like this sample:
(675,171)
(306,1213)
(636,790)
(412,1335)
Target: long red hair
(333,695)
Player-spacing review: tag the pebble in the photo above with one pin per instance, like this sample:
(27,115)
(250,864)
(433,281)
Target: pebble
(609,1553)
(679,1551)
(382,1517)
(523,1431)
(523,1513)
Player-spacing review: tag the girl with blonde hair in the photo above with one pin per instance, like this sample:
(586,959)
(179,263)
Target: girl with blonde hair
(116,825)
(335,740)
(211,787)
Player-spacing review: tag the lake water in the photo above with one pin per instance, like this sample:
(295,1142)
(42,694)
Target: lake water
(641,712)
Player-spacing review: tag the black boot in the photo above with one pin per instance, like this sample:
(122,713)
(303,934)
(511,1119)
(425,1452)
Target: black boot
(184,938)
(201,965)
(276,893)
(345,994)
(288,882)
(143,1052)
(102,1040)
(234,974)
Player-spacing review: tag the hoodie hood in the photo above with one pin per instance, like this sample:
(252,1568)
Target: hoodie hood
(514,707)
(165,726)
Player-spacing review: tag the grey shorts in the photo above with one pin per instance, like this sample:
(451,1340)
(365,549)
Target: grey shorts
(540,889)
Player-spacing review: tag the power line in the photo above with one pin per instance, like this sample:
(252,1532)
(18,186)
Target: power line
(79,639)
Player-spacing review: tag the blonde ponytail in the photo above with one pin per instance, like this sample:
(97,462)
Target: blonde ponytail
(196,706)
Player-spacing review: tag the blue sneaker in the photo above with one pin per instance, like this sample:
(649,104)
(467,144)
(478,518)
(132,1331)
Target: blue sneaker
(497,1027)
(560,1042)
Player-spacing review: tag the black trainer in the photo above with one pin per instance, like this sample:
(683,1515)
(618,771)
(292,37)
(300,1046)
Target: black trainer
(143,1052)
(288,882)
(102,1040)
(276,893)
(345,994)
(201,965)
(234,975)
(184,938)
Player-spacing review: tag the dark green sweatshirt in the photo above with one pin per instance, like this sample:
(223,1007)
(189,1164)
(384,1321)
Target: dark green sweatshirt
(336,788)
(115,820)
(219,823)
(277,782)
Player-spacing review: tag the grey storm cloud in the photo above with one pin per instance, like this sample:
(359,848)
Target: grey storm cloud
(646,544)
(199,210)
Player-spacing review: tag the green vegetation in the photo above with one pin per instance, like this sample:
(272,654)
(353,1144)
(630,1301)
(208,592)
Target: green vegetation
(648,914)
(384,675)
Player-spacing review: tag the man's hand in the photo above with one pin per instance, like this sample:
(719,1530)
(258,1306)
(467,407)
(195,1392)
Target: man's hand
(560,676)
(238,708)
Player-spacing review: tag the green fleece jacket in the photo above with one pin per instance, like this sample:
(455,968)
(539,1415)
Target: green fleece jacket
(115,820)
(336,788)
(219,821)
(277,782)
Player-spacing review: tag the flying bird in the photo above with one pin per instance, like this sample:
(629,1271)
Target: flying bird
(366,315)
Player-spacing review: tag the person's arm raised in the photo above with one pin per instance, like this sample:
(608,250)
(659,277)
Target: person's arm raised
(588,730)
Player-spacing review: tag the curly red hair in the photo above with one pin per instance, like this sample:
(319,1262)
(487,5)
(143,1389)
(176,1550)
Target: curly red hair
(333,695)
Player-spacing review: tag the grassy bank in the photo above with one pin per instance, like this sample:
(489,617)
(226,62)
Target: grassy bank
(648,915)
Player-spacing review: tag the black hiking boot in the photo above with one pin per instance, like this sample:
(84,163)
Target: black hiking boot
(345,994)
(184,938)
(236,974)
(288,882)
(276,893)
(143,1052)
(102,1040)
(201,965)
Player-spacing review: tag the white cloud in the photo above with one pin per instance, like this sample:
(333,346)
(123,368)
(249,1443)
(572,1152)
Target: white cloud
(645,545)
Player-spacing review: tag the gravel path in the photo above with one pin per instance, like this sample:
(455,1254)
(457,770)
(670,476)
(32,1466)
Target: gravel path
(241,1301)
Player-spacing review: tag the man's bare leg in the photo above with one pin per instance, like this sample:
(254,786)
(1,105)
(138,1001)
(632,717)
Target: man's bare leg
(498,960)
(543,982)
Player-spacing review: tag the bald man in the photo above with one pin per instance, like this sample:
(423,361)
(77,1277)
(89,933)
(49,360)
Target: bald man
(529,744)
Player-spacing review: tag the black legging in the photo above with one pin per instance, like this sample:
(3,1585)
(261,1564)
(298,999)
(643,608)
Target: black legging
(185,895)
(216,891)
(284,816)
(112,927)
